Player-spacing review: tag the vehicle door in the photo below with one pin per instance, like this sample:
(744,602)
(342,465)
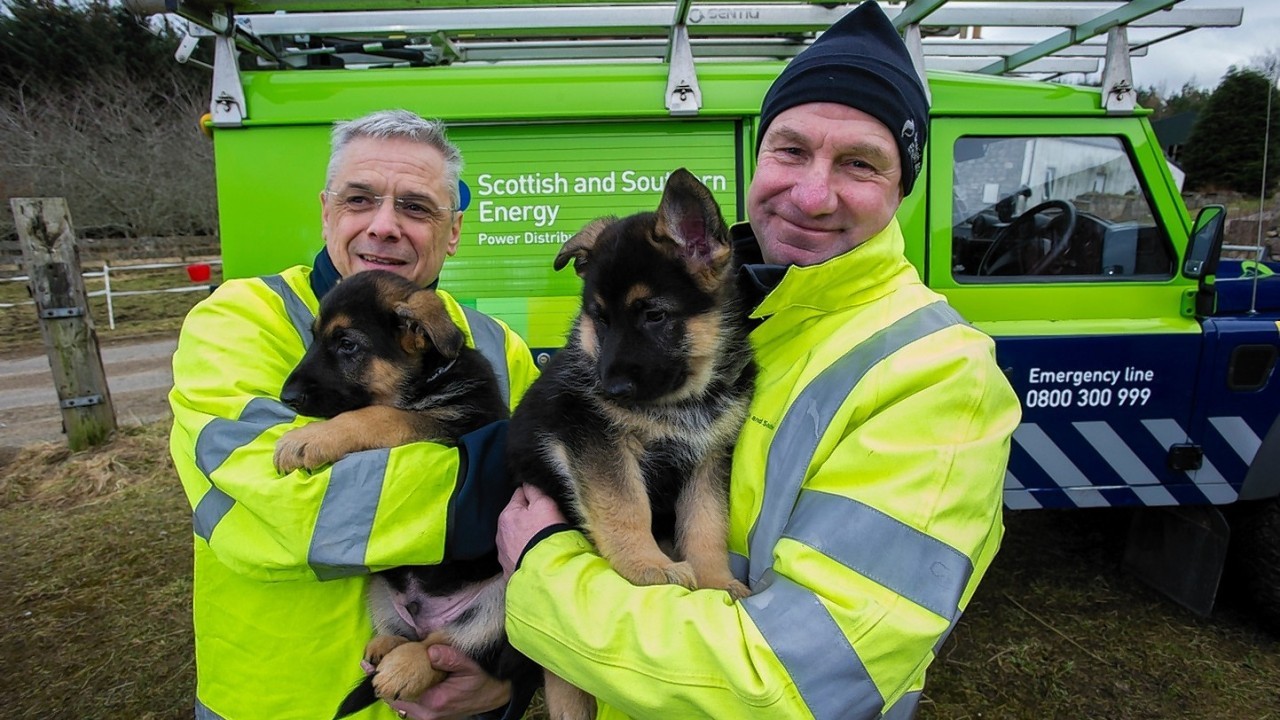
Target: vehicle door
(1059,241)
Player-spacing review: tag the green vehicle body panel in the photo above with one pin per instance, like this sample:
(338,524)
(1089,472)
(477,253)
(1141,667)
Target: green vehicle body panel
(573,119)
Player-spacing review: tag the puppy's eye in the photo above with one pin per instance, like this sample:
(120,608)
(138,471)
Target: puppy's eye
(653,317)
(347,347)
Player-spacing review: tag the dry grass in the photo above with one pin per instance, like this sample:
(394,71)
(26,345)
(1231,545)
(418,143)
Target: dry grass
(1057,630)
(95,586)
(95,610)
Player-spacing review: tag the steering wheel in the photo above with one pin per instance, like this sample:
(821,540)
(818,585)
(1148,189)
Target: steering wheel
(1052,222)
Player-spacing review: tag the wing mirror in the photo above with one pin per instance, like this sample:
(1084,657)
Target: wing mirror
(1206,242)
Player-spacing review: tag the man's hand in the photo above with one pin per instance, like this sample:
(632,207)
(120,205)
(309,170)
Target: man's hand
(467,691)
(529,512)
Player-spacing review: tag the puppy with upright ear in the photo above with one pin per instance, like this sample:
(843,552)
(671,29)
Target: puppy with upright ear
(631,426)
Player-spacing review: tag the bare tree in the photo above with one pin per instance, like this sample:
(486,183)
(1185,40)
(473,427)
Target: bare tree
(127,154)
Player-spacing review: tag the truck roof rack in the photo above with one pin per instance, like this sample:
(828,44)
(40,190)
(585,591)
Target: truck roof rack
(943,34)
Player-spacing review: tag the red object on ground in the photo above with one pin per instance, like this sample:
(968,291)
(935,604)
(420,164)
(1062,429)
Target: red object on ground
(198,272)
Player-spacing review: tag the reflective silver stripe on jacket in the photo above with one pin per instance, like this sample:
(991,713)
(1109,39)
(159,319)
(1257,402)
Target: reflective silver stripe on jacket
(221,437)
(807,419)
(216,442)
(812,647)
(905,708)
(299,314)
(345,521)
(918,567)
(204,713)
(491,341)
(825,668)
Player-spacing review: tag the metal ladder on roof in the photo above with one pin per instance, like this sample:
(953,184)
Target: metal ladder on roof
(301,34)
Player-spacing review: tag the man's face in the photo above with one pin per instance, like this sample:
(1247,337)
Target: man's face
(828,177)
(384,238)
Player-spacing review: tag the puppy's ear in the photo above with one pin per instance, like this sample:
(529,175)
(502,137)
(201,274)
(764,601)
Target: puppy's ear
(424,318)
(690,226)
(579,247)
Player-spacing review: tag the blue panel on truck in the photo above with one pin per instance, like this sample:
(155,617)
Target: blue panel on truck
(1100,414)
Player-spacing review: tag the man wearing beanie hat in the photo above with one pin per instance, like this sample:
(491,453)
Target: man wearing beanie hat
(865,500)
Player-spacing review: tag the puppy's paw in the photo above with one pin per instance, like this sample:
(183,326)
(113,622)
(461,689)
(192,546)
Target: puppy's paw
(680,573)
(737,590)
(309,446)
(380,646)
(405,673)
(720,577)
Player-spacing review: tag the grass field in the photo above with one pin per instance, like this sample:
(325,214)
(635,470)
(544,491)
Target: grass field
(95,601)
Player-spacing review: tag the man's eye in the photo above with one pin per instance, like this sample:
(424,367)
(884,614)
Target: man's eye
(789,153)
(358,201)
(416,210)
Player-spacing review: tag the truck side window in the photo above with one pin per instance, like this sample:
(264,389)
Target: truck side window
(1064,206)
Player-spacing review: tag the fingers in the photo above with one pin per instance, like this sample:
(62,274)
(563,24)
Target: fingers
(520,498)
(533,495)
(449,659)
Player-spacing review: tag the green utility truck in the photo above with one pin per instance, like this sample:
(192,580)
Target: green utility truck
(1047,213)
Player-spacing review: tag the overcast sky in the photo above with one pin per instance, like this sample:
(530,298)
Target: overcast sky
(1204,55)
(1201,56)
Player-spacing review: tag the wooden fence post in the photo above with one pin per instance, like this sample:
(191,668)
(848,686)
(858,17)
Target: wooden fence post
(52,262)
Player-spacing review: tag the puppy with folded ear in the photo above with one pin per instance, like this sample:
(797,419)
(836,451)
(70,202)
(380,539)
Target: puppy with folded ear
(388,366)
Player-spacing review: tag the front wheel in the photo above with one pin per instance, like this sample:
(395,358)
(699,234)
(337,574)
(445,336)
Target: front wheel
(1254,561)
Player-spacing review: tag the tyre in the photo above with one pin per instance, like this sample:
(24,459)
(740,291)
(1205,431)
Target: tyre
(1255,560)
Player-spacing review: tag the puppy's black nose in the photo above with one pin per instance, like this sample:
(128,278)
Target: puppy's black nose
(620,389)
(293,396)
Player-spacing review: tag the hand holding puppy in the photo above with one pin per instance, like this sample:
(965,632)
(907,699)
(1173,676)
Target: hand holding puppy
(529,512)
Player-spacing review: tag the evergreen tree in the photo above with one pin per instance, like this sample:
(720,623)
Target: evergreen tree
(1164,104)
(47,45)
(1225,150)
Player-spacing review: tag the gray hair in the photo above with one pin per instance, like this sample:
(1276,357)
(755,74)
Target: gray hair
(392,124)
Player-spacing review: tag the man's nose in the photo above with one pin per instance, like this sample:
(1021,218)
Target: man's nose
(385,221)
(813,191)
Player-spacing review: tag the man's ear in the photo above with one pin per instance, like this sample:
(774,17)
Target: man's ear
(578,248)
(424,320)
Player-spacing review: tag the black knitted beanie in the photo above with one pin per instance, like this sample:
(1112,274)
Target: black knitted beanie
(861,62)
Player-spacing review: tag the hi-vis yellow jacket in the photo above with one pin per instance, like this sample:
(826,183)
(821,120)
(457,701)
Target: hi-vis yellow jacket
(281,563)
(865,507)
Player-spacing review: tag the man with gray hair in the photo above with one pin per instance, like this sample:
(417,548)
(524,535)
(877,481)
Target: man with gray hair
(282,561)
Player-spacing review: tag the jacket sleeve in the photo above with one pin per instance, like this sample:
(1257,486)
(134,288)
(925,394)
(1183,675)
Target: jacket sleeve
(898,518)
(369,511)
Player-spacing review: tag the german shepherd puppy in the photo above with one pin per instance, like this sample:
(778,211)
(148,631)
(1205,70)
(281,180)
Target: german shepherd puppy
(389,366)
(631,426)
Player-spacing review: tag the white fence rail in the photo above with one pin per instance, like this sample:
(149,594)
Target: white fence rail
(106,291)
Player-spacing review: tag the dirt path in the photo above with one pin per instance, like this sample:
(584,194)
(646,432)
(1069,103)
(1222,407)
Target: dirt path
(138,375)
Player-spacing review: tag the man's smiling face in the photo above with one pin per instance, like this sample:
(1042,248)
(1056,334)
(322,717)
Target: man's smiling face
(827,178)
(383,238)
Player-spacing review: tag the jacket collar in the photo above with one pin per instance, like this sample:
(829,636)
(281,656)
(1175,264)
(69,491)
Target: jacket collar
(868,271)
